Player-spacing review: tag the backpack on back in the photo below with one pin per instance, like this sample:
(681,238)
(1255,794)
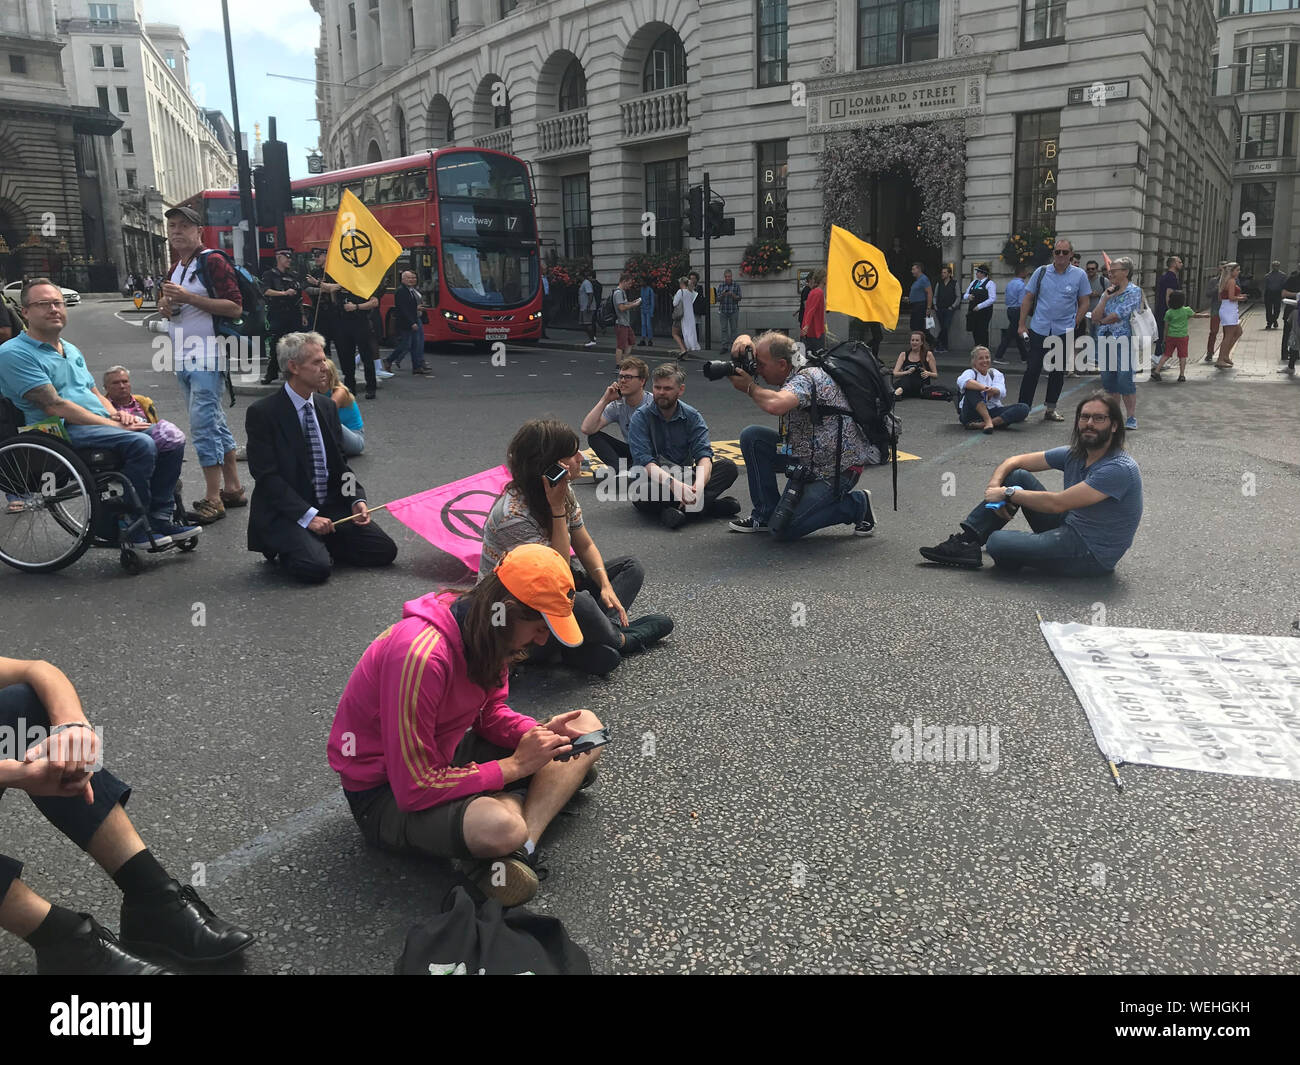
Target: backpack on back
(252,322)
(607,315)
(870,396)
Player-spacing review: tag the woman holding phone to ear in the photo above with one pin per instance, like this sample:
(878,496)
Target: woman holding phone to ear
(538,506)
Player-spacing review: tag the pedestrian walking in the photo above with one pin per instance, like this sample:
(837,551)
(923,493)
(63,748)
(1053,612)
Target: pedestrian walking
(684,317)
(1055,302)
(1212,301)
(1291,320)
(587,307)
(920,297)
(409,307)
(624,305)
(981,296)
(1230,298)
(647,314)
(945,303)
(701,307)
(546,298)
(1014,297)
(1274,283)
(1169,282)
(728,308)
(813,330)
(1176,329)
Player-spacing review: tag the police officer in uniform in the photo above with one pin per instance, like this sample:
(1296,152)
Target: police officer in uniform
(321,315)
(354,335)
(283,291)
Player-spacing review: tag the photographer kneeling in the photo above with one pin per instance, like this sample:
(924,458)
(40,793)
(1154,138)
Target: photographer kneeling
(823,461)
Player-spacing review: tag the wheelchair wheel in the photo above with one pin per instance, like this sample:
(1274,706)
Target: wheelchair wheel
(131,562)
(58,498)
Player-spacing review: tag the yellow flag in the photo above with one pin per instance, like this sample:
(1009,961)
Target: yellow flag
(858,283)
(361,250)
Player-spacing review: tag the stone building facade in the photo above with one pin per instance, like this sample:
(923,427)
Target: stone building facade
(933,128)
(1257,64)
(57,197)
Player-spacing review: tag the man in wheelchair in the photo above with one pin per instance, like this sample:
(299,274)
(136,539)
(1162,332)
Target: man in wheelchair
(46,377)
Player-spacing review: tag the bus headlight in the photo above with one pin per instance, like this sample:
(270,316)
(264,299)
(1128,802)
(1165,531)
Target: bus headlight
(453,316)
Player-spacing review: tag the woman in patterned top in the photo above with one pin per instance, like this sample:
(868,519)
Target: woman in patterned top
(1112,316)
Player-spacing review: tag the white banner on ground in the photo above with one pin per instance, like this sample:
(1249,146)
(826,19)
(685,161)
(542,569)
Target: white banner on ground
(1209,701)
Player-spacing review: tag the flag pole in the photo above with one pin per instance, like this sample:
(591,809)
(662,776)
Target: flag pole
(369,510)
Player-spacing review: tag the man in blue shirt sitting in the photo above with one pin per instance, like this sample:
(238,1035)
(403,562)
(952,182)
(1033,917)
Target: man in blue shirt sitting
(46,377)
(677,474)
(1081,531)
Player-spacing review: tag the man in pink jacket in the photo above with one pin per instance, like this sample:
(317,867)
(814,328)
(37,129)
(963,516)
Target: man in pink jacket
(417,781)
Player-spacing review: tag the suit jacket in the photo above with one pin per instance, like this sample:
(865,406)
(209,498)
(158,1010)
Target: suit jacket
(281,465)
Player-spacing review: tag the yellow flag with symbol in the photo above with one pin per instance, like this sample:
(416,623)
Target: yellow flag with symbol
(361,250)
(858,282)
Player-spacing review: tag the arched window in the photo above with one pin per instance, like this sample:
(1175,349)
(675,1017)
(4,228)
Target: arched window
(573,87)
(401,132)
(665,66)
(373,153)
(501,114)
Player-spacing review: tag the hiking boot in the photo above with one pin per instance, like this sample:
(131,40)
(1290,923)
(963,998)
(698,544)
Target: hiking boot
(93,950)
(746,525)
(955,551)
(645,631)
(512,880)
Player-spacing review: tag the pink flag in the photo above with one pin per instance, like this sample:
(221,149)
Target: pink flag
(451,516)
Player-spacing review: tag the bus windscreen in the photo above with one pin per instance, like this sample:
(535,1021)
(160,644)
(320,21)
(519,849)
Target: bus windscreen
(477,176)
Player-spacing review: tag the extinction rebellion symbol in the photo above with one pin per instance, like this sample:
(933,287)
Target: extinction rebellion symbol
(865,275)
(355,248)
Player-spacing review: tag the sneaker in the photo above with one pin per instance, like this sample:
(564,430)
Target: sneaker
(1052,416)
(589,344)
(512,879)
(746,525)
(176,533)
(387,365)
(92,950)
(645,631)
(1155,375)
(423,371)
(955,551)
(138,538)
(383,375)
(672,518)
(370,393)
(1130,423)
(1209,357)
(867,525)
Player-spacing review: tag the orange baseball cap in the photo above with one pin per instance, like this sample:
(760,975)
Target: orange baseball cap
(538,577)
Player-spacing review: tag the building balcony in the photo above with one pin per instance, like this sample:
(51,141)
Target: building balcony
(500,140)
(563,134)
(656,115)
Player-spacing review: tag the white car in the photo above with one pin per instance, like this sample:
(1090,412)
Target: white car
(70,296)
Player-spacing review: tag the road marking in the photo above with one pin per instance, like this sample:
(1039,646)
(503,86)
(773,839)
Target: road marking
(246,855)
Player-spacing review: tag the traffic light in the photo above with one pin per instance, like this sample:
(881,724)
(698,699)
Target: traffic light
(274,199)
(693,205)
(720,226)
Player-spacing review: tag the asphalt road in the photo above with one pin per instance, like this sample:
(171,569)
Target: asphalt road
(749,817)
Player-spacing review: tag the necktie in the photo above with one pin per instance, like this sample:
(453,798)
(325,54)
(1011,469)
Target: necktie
(320,472)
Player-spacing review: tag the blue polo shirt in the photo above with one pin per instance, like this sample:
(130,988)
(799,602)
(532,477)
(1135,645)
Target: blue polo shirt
(683,441)
(27,363)
(1108,527)
(917,292)
(1056,307)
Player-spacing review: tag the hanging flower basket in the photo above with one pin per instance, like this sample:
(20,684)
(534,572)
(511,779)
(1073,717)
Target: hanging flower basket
(1030,248)
(765,257)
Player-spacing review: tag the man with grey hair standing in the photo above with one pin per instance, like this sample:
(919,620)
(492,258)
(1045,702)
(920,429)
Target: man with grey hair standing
(303,482)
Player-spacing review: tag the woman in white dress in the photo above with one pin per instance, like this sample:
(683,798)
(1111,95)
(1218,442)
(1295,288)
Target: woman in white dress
(684,326)
(1229,313)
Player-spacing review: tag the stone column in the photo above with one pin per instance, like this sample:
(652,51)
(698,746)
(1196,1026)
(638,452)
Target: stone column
(474,15)
(394,38)
(430,22)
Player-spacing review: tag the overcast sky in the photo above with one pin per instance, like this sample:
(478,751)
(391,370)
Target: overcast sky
(276,37)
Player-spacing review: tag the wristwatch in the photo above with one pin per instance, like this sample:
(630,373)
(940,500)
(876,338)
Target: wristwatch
(1010,490)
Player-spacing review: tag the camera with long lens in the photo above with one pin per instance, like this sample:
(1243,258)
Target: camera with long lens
(744,360)
(799,475)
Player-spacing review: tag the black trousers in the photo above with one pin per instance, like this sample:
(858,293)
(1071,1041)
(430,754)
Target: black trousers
(978,324)
(306,557)
(722,478)
(609,449)
(20,708)
(1034,369)
(277,330)
(353,338)
(1011,335)
(1272,307)
(601,639)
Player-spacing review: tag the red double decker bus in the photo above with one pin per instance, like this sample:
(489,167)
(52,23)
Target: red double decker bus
(219,211)
(466,221)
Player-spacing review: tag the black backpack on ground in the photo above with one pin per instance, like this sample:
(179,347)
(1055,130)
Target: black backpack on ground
(870,395)
(482,939)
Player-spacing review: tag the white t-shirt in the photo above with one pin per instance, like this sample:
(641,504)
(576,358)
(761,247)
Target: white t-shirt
(991,380)
(189,329)
(586,294)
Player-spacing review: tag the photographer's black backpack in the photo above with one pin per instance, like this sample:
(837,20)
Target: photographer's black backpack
(853,367)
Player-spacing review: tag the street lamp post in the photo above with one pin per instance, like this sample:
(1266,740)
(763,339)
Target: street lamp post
(245,175)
